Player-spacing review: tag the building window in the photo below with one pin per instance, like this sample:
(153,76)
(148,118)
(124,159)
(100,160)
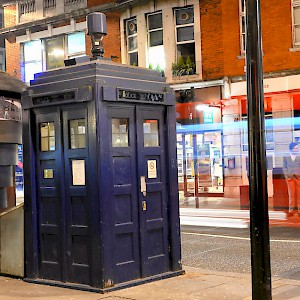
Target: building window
(55,53)
(296,22)
(49,4)
(76,44)
(47,54)
(156,53)
(243,26)
(132,44)
(27,7)
(185,43)
(32,57)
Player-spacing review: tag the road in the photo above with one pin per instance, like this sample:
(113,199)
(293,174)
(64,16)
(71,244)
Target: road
(226,249)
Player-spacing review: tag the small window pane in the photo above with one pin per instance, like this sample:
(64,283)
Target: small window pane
(33,51)
(131,27)
(77,133)
(45,144)
(155,21)
(55,53)
(297,15)
(185,33)
(156,38)
(151,137)
(76,43)
(297,35)
(120,132)
(133,59)
(47,136)
(186,50)
(132,43)
(184,16)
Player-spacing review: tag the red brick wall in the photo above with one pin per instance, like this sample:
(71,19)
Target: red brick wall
(12,49)
(92,3)
(221,38)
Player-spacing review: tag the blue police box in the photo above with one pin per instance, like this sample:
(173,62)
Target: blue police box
(100,170)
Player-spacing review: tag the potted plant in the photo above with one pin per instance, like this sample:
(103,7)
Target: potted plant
(190,66)
(183,67)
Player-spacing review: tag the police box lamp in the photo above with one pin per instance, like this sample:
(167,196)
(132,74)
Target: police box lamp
(96,24)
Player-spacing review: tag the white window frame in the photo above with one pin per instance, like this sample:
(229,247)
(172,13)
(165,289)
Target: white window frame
(153,30)
(295,3)
(184,25)
(161,46)
(128,36)
(242,32)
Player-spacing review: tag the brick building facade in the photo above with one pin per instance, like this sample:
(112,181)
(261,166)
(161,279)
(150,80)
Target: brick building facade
(211,92)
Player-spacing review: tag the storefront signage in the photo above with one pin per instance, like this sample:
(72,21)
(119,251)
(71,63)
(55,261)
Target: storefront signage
(208,116)
(140,96)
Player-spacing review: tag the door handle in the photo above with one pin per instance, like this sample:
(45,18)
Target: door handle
(143,186)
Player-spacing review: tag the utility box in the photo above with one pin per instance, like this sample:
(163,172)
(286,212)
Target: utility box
(101,193)
(10,136)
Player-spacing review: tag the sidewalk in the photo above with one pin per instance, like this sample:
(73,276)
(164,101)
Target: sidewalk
(196,284)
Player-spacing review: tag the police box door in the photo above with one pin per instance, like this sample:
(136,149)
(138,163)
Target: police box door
(63,226)
(138,158)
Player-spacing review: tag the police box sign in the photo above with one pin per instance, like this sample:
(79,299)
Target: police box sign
(140,96)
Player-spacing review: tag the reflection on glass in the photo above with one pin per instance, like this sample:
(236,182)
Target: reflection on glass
(119,132)
(151,137)
(47,136)
(77,133)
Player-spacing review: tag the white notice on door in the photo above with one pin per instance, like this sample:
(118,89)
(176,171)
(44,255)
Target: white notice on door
(78,172)
(152,170)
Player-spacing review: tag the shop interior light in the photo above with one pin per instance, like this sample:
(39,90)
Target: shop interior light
(202,107)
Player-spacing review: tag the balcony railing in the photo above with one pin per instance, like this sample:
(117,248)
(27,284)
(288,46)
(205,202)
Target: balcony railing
(70,2)
(27,7)
(49,4)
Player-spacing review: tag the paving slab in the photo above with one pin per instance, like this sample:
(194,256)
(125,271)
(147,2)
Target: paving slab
(195,284)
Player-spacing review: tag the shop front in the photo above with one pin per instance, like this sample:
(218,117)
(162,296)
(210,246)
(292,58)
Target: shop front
(212,143)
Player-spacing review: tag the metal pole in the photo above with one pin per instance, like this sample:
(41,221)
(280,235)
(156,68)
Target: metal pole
(259,219)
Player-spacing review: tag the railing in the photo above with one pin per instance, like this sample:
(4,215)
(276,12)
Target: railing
(27,7)
(49,4)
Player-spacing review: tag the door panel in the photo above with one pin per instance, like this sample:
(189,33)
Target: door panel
(49,172)
(63,206)
(140,222)
(76,198)
(125,215)
(154,224)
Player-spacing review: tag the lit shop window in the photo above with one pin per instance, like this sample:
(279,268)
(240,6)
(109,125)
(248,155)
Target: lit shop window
(76,44)
(55,53)
(47,54)
(32,54)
